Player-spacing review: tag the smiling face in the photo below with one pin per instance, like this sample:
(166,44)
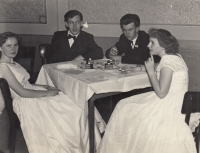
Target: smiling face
(130,31)
(155,48)
(74,24)
(10,48)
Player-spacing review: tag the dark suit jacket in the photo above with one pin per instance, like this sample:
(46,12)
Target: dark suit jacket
(138,55)
(83,45)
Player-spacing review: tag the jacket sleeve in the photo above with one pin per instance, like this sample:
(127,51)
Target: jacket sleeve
(139,58)
(118,45)
(107,53)
(93,51)
(140,53)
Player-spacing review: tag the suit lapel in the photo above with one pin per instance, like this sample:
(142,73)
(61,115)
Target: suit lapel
(77,41)
(67,41)
(138,41)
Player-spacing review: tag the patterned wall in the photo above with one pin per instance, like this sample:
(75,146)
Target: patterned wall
(181,12)
(23,11)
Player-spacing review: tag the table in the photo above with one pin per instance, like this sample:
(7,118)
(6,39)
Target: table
(84,86)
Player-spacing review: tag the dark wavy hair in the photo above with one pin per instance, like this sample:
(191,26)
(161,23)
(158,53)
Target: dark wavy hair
(71,14)
(165,40)
(4,36)
(128,18)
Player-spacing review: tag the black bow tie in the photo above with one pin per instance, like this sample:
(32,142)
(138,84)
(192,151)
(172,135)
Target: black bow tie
(70,36)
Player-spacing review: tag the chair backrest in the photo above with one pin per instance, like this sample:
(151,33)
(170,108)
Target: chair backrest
(44,49)
(191,104)
(14,121)
(25,57)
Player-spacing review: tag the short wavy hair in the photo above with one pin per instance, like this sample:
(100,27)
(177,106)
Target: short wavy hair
(4,36)
(165,40)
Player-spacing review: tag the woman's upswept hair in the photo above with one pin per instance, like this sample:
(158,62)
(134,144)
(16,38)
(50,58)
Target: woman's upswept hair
(4,36)
(165,40)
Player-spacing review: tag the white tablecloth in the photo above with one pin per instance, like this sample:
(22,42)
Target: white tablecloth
(81,87)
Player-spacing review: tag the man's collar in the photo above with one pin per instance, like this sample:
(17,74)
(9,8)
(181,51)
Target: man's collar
(134,40)
(69,33)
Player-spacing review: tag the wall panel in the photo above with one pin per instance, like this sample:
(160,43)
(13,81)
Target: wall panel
(181,12)
(23,11)
(28,27)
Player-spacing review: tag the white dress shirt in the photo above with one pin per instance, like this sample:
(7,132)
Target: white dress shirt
(71,40)
(133,42)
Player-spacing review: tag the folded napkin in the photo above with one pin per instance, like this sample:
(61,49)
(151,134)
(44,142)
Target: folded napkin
(67,66)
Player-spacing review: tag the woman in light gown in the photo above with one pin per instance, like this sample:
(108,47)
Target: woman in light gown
(152,122)
(50,121)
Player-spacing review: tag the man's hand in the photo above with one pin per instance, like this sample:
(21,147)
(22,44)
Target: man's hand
(113,51)
(79,57)
(116,58)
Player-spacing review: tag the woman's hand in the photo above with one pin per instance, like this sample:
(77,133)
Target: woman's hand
(149,64)
(50,87)
(52,92)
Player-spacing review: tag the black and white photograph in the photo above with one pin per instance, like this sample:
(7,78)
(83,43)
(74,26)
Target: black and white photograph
(99,76)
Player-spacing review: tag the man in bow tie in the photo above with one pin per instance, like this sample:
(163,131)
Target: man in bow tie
(132,45)
(73,43)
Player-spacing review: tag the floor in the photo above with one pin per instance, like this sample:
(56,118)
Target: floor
(104,106)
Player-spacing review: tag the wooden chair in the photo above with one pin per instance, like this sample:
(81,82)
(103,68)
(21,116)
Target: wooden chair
(44,48)
(25,57)
(14,121)
(191,104)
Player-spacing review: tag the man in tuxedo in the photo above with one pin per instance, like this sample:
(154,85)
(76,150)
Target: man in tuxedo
(132,45)
(72,43)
